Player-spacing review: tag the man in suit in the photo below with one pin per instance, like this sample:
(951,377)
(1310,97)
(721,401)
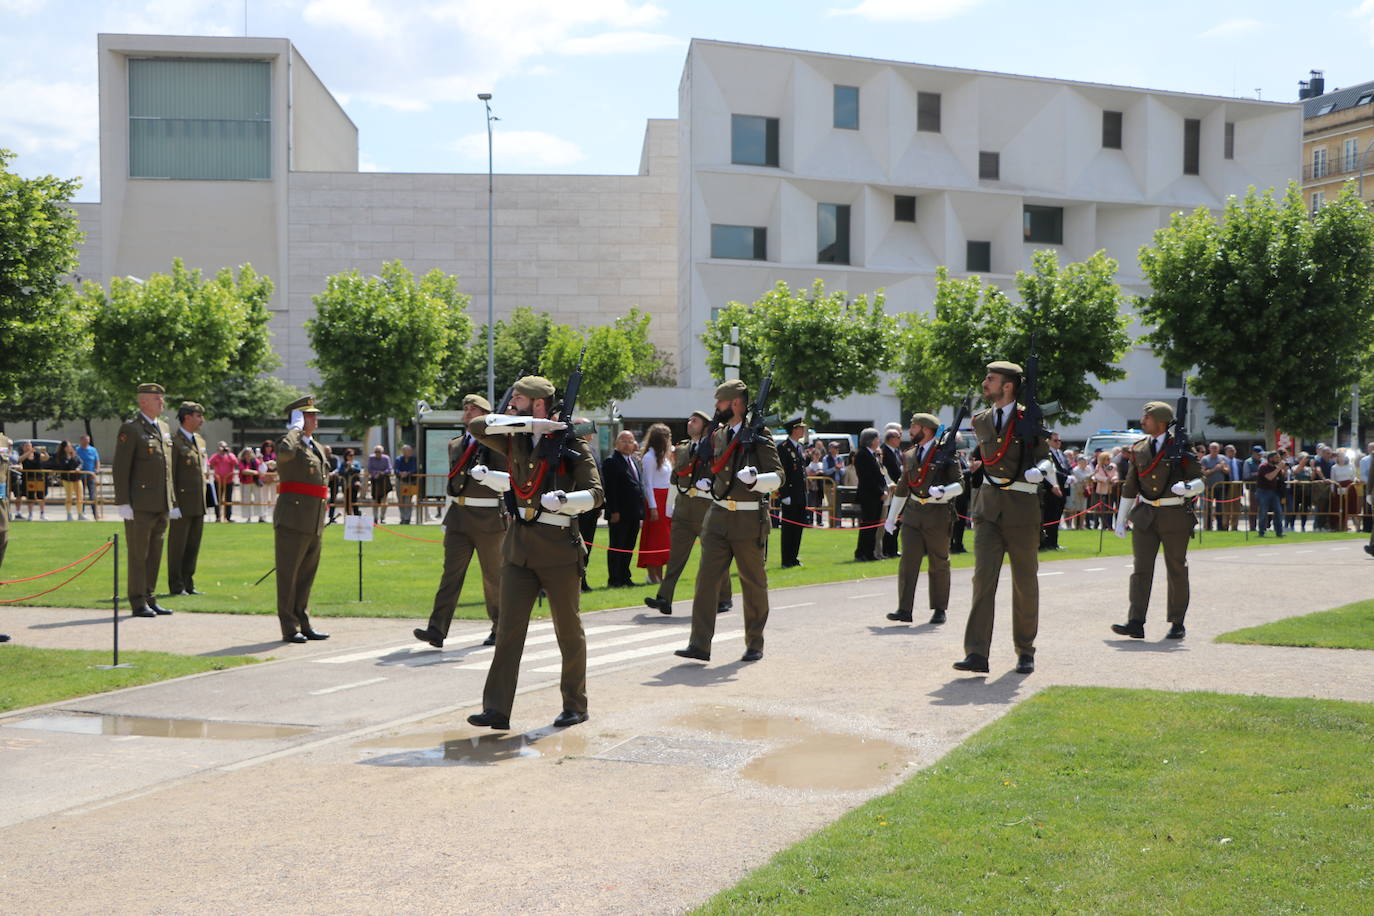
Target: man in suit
(5,455)
(474,523)
(872,486)
(793,492)
(624,507)
(188,480)
(1006,522)
(144,496)
(892,467)
(1052,495)
(921,509)
(299,518)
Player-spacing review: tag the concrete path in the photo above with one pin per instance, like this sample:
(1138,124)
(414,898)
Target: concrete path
(686,777)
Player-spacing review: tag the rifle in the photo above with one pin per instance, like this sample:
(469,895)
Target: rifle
(755,418)
(1179,447)
(1030,426)
(554,447)
(949,445)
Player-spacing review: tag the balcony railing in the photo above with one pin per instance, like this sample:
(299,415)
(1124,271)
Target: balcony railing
(1340,165)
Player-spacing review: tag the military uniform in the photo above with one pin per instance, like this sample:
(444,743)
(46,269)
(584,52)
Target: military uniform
(689,514)
(188,482)
(543,551)
(142,475)
(298,523)
(794,512)
(926,523)
(4,503)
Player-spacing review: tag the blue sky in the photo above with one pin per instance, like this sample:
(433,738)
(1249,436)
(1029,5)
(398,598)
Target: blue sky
(574,80)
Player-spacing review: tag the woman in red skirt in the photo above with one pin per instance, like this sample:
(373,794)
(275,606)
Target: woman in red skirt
(654,536)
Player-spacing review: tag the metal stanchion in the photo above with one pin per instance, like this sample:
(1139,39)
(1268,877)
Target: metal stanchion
(114,575)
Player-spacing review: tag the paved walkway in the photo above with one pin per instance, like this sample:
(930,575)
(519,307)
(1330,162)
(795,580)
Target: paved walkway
(686,777)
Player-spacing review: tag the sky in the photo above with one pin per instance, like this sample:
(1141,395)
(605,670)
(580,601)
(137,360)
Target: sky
(573,81)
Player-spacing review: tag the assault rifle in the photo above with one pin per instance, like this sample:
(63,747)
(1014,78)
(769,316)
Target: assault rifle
(554,447)
(1179,447)
(755,418)
(1030,425)
(949,445)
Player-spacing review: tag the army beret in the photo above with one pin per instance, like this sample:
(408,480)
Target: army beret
(151,388)
(793,424)
(534,386)
(928,420)
(304,405)
(729,390)
(1002,367)
(477,401)
(705,417)
(190,407)
(1159,411)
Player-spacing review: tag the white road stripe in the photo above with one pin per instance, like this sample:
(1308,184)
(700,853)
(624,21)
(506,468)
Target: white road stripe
(320,693)
(629,654)
(1042,575)
(871,595)
(1302,551)
(785,607)
(482,664)
(1095,569)
(544,629)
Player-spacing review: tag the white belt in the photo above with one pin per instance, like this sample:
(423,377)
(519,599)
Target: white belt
(699,493)
(1020,486)
(1165,501)
(734,504)
(557,521)
(474,502)
(929,501)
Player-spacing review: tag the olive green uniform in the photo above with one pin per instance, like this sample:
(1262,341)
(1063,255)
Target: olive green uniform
(689,514)
(183,536)
(926,527)
(1006,519)
(5,445)
(298,524)
(475,522)
(542,551)
(736,528)
(142,474)
(1169,525)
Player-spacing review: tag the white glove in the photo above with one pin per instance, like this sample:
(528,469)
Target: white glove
(765,483)
(1179,489)
(543,427)
(890,526)
(1120,529)
(937,492)
(704,485)
(504,424)
(297,420)
(787,500)
(478,471)
(496,480)
(552,501)
(894,513)
(175,513)
(1121,512)
(125,512)
(747,475)
(1034,475)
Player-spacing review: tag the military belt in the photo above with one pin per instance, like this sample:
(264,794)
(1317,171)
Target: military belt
(1164,501)
(699,493)
(734,505)
(1020,486)
(317,490)
(557,521)
(475,502)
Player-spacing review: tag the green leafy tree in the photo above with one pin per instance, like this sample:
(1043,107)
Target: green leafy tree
(619,356)
(1273,308)
(247,392)
(518,343)
(380,342)
(41,321)
(919,382)
(827,345)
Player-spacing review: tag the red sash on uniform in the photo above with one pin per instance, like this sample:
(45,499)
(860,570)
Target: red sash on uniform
(317,490)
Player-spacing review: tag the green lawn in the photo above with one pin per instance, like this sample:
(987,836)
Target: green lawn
(1087,800)
(400,575)
(31,677)
(1348,627)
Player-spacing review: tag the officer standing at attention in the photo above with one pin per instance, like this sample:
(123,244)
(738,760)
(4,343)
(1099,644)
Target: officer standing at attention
(543,550)
(793,492)
(4,503)
(921,507)
(144,497)
(475,521)
(736,526)
(188,482)
(1006,521)
(689,513)
(298,520)
(1163,515)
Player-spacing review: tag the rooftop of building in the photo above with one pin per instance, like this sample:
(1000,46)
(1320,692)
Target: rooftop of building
(1338,100)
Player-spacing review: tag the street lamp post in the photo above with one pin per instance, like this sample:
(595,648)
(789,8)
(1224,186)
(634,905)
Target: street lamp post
(491,276)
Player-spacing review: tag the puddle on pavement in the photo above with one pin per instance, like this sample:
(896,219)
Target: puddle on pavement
(456,748)
(811,758)
(149,727)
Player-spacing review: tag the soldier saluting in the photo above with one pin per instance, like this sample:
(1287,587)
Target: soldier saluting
(921,506)
(144,497)
(1155,497)
(298,520)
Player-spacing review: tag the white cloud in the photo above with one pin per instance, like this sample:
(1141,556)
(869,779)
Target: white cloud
(621,43)
(359,16)
(513,150)
(38,116)
(1365,11)
(21,7)
(1234,28)
(367,164)
(908,10)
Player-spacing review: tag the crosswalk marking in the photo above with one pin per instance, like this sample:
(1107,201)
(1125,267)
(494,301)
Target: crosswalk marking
(482,664)
(788,607)
(544,631)
(629,654)
(320,693)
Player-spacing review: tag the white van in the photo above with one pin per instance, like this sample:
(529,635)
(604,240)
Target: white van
(1108,439)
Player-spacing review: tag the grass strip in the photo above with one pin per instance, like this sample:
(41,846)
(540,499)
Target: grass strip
(1348,627)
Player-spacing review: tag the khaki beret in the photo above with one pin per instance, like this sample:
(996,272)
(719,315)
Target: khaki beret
(534,386)
(1159,410)
(304,405)
(705,417)
(151,388)
(928,420)
(190,407)
(731,389)
(478,401)
(1003,367)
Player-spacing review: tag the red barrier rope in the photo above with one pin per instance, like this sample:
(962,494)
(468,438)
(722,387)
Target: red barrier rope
(57,570)
(80,572)
(408,537)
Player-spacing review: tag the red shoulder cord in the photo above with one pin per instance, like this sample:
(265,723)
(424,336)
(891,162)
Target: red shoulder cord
(914,483)
(1016,415)
(1153,464)
(462,462)
(734,443)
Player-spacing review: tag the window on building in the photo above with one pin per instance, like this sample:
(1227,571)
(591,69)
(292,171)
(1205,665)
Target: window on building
(1365,99)
(745,243)
(200,119)
(832,233)
(1327,108)
(978,258)
(1228,143)
(1192,145)
(753,140)
(1319,162)
(1318,198)
(1111,130)
(904,208)
(928,111)
(1173,379)
(1350,155)
(989,166)
(1043,224)
(847,107)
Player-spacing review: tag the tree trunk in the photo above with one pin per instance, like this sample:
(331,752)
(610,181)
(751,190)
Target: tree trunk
(87,422)
(1270,431)
(35,429)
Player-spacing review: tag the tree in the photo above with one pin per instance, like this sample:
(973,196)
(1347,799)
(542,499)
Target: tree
(919,383)
(247,391)
(518,344)
(1274,308)
(618,357)
(827,345)
(380,342)
(40,320)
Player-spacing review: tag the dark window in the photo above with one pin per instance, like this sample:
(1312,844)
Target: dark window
(746,243)
(832,233)
(1111,130)
(1043,224)
(1228,146)
(904,208)
(753,140)
(989,166)
(928,111)
(1192,145)
(1173,379)
(847,107)
(979,258)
